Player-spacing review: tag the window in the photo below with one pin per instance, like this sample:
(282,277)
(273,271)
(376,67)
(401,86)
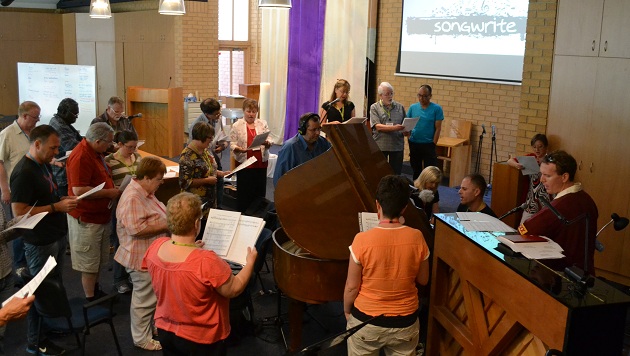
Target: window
(233,44)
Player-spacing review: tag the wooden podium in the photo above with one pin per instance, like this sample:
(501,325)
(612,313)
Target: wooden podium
(484,302)
(161,125)
(509,190)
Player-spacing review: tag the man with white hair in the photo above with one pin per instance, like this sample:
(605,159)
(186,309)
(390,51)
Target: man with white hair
(386,117)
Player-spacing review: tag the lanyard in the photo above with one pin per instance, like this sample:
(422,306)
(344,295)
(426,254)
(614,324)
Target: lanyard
(47,174)
(387,112)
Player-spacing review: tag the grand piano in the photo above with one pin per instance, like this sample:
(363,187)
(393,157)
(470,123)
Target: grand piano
(318,204)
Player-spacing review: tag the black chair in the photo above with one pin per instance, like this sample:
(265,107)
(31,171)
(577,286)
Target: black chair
(51,302)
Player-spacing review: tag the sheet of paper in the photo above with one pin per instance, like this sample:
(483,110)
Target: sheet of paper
(259,140)
(410,122)
(221,137)
(355,120)
(140,143)
(125,182)
(220,230)
(30,222)
(31,287)
(474,221)
(247,232)
(530,166)
(28,213)
(63,158)
(91,191)
(170,174)
(247,163)
(367,221)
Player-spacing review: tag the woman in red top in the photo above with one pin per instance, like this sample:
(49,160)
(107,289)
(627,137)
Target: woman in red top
(251,181)
(193,286)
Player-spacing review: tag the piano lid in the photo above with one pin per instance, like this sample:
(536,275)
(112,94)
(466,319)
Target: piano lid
(318,202)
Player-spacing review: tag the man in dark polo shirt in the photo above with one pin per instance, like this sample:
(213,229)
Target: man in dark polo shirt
(89,224)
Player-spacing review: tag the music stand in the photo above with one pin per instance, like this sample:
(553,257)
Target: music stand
(334,340)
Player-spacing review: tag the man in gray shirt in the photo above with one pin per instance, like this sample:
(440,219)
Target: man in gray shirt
(211,113)
(386,117)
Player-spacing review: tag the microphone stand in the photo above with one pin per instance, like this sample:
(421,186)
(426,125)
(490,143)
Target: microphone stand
(493,149)
(478,160)
(581,278)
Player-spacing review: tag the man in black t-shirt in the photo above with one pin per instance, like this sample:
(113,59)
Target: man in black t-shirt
(33,191)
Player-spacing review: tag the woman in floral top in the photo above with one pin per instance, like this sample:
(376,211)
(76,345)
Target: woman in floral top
(198,170)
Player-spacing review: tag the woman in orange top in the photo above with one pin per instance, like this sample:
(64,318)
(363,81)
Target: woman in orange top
(385,264)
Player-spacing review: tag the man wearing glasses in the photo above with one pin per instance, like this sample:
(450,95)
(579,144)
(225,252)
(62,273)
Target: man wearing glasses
(211,114)
(425,135)
(557,174)
(386,117)
(114,115)
(304,146)
(89,224)
(14,144)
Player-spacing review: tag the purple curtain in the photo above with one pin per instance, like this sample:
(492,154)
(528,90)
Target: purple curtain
(306,40)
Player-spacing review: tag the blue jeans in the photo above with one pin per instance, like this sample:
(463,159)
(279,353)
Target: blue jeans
(36,257)
(6,290)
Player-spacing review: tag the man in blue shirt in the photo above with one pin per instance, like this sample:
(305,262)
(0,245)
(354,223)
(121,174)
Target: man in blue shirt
(425,135)
(307,144)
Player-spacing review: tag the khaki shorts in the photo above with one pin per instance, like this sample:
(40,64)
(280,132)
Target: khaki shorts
(394,341)
(89,245)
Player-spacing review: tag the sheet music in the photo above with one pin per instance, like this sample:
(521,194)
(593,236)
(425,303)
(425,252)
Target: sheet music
(247,163)
(31,287)
(247,232)
(259,140)
(220,230)
(355,120)
(367,221)
(63,158)
(530,165)
(91,191)
(475,221)
(140,143)
(172,169)
(409,123)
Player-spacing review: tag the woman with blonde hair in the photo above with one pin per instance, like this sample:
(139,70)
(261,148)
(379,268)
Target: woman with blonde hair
(427,197)
(342,109)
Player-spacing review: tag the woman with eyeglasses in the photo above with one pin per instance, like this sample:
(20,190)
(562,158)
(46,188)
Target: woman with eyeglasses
(141,220)
(536,188)
(342,109)
(198,171)
(123,162)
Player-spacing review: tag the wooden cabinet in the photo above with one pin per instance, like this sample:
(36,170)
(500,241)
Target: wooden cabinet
(593,28)
(588,117)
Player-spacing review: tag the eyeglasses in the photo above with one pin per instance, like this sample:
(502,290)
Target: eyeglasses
(388,94)
(75,115)
(215,114)
(424,96)
(117,113)
(34,117)
(131,147)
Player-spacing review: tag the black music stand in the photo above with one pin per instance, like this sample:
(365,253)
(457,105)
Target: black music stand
(333,341)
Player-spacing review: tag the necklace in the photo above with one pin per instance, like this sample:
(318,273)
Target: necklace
(392,221)
(182,244)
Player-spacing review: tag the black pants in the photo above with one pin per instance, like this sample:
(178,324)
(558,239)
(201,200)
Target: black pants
(421,155)
(175,345)
(250,184)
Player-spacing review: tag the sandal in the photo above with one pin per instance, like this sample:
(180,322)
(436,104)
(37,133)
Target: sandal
(151,345)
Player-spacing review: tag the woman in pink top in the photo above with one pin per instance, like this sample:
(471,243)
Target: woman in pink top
(193,286)
(385,264)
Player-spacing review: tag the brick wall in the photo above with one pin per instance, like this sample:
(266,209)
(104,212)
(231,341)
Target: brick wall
(491,104)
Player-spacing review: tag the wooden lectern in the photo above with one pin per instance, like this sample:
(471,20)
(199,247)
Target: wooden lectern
(161,125)
(509,190)
(485,302)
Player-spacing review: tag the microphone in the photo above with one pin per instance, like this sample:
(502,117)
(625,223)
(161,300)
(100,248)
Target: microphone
(546,203)
(483,127)
(330,104)
(520,207)
(494,128)
(134,116)
(169,82)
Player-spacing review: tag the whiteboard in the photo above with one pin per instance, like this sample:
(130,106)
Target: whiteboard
(48,84)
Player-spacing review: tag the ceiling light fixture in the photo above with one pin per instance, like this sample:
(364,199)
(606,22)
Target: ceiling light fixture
(286,4)
(100,9)
(172,7)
